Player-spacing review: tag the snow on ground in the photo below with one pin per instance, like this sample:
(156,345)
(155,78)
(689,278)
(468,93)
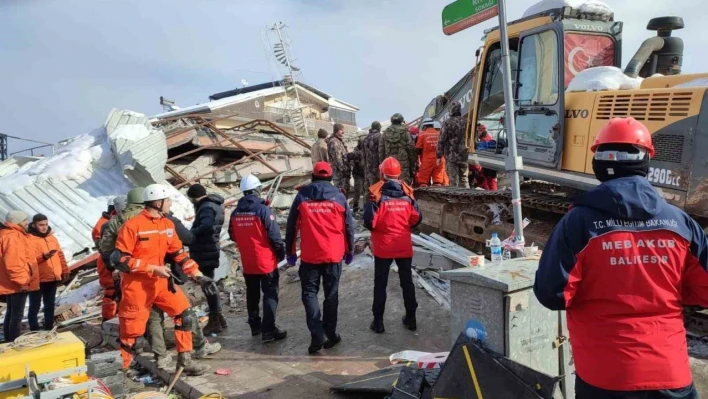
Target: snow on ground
(603,78)
(585,6)
(693,83)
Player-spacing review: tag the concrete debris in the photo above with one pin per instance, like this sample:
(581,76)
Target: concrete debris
(441,246)
(108,367)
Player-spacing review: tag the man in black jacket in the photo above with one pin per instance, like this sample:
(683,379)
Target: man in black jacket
(208,222)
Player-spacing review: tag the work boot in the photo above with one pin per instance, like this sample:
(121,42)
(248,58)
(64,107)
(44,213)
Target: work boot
(409,322)
(315,345)
(276,335)
(331,341)
(377,326)
(184,359)
(129,385)
(213,325)
(207,349)
(222,321)
(163,362)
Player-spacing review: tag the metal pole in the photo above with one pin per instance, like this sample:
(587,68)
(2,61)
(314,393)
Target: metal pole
(514,162)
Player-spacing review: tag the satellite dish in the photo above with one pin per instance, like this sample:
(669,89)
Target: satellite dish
(257,104)
(244,82)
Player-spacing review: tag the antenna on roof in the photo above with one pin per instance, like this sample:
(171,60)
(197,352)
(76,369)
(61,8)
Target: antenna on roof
(244,82)
(168,105)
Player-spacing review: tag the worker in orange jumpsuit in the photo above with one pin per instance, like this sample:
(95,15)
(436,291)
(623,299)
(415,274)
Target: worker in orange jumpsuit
(109,307)
(141,247)
(426,146)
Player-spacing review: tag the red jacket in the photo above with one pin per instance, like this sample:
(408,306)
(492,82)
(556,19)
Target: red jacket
(622,263)
(257,235)
(321,215)
(390,220)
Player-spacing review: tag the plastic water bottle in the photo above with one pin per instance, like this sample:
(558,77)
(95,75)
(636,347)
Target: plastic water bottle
(496,249)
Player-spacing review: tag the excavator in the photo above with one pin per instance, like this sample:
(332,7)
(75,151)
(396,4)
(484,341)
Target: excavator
(555,127)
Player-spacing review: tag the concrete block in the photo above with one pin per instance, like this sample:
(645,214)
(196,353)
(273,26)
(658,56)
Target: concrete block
(111,327)
(426,259)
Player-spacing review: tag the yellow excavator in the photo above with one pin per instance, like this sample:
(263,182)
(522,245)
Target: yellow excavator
(555,127)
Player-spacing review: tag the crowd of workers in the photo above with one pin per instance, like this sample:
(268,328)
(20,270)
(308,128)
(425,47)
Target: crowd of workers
(622,263)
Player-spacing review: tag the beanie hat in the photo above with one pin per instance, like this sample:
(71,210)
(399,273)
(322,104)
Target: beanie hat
(15,217)
(196,191)
(608,170)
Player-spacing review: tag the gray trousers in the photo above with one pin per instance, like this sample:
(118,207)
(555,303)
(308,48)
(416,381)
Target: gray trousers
(458,174)
(155,333)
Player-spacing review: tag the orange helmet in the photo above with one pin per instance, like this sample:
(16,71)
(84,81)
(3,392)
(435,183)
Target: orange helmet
(390,167)
(625,131)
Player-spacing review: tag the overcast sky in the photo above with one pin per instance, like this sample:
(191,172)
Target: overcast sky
(66,63)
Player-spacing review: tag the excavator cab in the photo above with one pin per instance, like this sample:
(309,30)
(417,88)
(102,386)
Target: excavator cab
(547,50)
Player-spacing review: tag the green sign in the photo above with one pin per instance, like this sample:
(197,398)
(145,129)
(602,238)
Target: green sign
(462,14)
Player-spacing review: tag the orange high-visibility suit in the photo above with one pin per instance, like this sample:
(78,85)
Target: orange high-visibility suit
(109,307)
(426,145)
(143,242)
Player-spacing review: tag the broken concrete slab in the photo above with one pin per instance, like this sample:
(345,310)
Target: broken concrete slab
(426,259)
(263,172)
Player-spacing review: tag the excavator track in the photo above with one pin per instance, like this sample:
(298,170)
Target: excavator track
(473,215)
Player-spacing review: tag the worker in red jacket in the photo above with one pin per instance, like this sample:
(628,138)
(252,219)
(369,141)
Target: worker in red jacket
(390,220)
(255,231)
(622,263)
(322,217)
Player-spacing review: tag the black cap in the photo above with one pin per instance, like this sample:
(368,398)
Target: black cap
(196,191)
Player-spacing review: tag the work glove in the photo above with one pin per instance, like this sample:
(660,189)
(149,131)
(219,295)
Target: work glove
(65,277)
(348,258)
(292,259)
(207,284)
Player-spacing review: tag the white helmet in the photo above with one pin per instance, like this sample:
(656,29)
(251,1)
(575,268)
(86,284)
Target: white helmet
(155,192)
(250,182)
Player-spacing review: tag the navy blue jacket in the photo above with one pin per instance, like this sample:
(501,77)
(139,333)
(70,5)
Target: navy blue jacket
(322,216)
(622,263)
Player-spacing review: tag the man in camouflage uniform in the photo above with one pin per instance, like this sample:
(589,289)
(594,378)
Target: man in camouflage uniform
(341,170)
(371,155)
(396,142)
(451,145)
(356,158)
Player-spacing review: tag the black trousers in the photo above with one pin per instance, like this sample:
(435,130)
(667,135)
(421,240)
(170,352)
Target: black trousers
(214,301)
(583,390)
(268,284)
(382,267)
(320,324)
(12,326)
(47,294)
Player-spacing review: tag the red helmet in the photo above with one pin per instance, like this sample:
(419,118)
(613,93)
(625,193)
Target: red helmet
(413,130)
(624,131)
(390,167)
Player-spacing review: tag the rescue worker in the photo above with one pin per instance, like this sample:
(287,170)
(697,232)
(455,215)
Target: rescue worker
(341,170)
(390,219)
(426,147)
(155,330)
(319,148)
(18,271)
(483,134)
(483,178)
(52,270)
(619,263)
(451,146)
(141,247)
(209,219)
(414,131)
(396,142)
(371,155)
(109,306)
(255,231)
(321,215)
(356,160)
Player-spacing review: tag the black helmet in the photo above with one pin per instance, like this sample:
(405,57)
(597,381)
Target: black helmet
(376,125)
(397,119)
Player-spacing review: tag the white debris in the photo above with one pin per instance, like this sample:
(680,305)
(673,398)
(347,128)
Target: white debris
(133,132)
(603,78)
(693,83)
(82,294)
(584,6)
